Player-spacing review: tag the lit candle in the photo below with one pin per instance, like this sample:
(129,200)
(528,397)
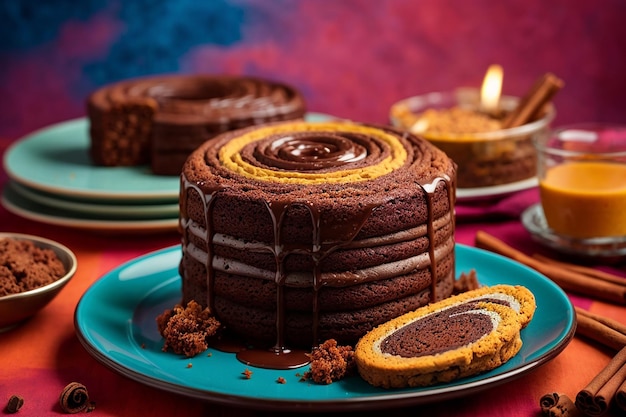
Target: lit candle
(491,90)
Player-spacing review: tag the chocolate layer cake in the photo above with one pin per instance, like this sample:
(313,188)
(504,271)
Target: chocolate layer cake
(161,120)
(294,233)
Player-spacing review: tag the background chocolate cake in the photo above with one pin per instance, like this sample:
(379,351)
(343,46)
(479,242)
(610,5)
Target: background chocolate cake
(161,120)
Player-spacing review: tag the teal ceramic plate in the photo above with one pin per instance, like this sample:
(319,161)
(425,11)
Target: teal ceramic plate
(56,160)
(115,322)
(109,210)
(29,209)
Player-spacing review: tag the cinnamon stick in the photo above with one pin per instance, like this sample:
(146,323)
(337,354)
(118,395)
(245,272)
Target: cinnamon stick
(595,399)
(558,405)
(602,329)
(609,385)
(532,103)
(567,279)
(620,397)
(605,276)
(593,329)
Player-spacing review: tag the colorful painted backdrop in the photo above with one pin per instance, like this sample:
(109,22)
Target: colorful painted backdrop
(351,58)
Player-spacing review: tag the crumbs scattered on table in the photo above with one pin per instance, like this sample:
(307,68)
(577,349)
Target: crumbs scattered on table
(15,403)
(281,380)
(247,374)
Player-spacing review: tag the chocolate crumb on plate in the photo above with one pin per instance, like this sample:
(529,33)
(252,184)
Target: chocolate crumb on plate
(186,329)
(330,362)
(466,282)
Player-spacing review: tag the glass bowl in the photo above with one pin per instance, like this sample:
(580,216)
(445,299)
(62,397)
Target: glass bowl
(488,159)
(582,180)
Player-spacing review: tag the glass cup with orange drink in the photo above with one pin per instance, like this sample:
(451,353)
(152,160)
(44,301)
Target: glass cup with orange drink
(582,180)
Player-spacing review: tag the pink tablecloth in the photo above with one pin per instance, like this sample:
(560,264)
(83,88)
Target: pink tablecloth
(38,358)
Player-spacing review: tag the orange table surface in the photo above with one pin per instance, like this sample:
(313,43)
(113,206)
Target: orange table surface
(39,357)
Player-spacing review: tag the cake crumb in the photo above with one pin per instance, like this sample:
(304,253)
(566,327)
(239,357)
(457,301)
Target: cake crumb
(466,282)
(24,266)
(247,374)
(281,380)
(14,404)
(330,362)
(186,330)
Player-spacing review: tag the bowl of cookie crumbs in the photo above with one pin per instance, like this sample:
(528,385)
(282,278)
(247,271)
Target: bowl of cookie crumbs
(33,270)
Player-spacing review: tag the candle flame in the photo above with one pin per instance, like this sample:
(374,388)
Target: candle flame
(491,89)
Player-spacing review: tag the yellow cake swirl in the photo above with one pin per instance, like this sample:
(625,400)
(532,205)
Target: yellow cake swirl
(327,145)
(460,336)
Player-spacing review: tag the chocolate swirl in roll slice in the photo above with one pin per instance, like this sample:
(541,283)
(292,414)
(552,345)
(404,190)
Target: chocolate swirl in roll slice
(294,233)
(457,337)
(161,120)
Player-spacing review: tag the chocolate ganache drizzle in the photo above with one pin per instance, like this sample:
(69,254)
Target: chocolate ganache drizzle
(291,167)
(301,152)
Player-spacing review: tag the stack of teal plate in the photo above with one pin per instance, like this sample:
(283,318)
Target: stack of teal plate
(52,180)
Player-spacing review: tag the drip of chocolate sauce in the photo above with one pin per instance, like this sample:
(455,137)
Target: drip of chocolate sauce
(281,356)
(429,191)
(274,358)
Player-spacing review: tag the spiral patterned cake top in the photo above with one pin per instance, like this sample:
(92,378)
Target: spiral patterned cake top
(308,153)
(319,154)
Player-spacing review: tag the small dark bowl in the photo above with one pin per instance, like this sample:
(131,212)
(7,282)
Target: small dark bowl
(15,308)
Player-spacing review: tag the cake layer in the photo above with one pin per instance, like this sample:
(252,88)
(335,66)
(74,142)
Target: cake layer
(342,291)
(353,255)
(346,327)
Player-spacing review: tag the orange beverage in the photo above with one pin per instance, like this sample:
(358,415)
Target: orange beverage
(585,199)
